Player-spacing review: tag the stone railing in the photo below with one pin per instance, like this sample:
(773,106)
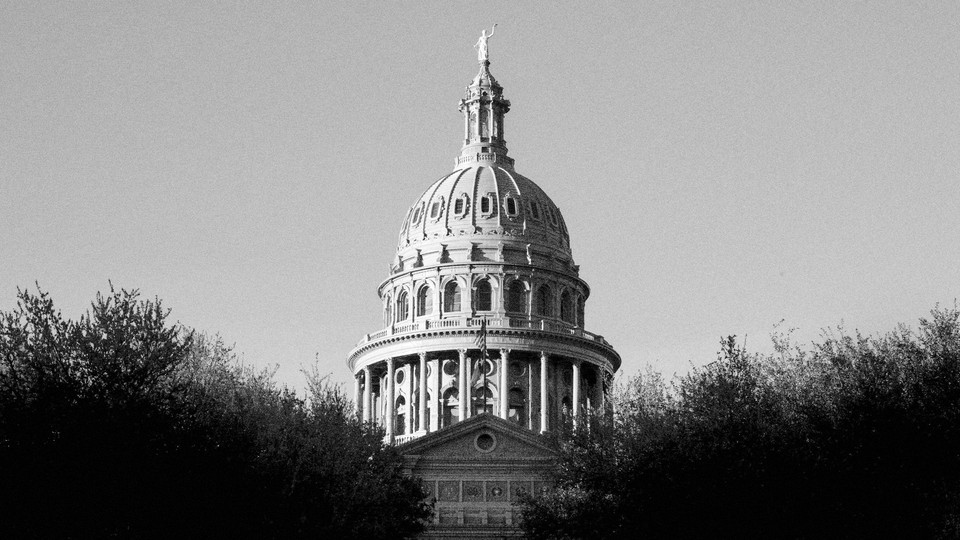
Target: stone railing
(400,439)
(484,156)
(545,325)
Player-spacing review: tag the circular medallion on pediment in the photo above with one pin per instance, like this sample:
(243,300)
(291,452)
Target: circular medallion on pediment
(485,442)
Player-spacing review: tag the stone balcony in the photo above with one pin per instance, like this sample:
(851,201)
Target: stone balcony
(546,325)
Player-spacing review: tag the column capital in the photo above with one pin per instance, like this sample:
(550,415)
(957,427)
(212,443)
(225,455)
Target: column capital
(423,355)
(390,362)
(463,353)
(505,352)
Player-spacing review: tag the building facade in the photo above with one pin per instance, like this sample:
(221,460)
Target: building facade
(483,345)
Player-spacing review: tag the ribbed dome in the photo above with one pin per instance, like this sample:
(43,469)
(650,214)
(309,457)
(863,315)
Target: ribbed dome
(480,202)
(483,283)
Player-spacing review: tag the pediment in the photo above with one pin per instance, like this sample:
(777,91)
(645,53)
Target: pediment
(482,438)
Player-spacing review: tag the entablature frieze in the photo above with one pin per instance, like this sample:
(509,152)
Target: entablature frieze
(554,345)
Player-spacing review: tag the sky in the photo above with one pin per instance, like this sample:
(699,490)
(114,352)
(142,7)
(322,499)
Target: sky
(721,166)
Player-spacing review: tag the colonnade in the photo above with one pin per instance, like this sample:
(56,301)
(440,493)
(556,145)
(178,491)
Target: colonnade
(365,399)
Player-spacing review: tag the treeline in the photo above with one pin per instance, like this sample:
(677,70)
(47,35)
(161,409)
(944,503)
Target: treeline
(122,425)
(857,438)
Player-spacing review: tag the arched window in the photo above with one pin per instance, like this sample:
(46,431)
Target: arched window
(403,307)
(451,414)
(544,301)
(517,297)
(387,312)
(566,307)
(580,312)
(484,297)
(424,301)
(482,400)
(517,411)
(451,297)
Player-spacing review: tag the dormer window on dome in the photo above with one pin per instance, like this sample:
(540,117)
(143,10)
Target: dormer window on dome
(487,208)
(436,209)
(535,210)
(511,204)
(461,206)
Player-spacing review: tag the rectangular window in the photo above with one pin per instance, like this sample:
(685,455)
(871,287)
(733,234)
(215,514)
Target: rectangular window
(458,207)
(485,205)
(511,206)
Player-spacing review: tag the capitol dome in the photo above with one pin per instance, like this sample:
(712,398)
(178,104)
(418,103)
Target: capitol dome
(483,307)
(483,204)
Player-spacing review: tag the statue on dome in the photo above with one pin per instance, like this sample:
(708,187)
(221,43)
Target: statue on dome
(481,45)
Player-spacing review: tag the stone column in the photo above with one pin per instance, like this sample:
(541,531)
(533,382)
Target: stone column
(576,391)
(356,393)
(479,120)
(504,391)
(390,405)
(469,394)
(435,385)
(408,420)
(544,425)
(462,407)
(598,391)
(367,393)
(422,403)
(528,421)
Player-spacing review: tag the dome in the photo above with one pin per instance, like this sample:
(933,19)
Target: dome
(484,211)
(483,283)
(482,205)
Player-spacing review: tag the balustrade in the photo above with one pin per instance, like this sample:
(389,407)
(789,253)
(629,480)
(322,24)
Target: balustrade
(546,325)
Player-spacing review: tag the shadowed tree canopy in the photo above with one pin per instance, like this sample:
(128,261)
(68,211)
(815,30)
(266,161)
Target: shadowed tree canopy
(120,424)
(857,438)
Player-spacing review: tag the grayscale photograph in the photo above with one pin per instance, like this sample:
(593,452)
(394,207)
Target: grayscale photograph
(487,270)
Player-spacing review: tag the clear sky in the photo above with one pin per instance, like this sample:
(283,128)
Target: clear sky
(721,165)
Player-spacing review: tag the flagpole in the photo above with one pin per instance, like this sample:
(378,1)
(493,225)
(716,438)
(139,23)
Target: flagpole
(483,365)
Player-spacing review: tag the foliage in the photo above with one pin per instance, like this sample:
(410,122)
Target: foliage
(121,425)
(857,438)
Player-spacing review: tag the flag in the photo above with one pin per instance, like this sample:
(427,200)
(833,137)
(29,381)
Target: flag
(480,366)
(481,341)
(477,369)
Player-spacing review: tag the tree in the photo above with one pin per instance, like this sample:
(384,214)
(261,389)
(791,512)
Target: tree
(857,438)
(122,425)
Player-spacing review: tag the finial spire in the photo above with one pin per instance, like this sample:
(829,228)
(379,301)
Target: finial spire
(483,55)
(483,108)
